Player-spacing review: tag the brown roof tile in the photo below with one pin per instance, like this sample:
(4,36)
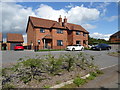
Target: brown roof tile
(116,34)
(14,37)
(0,36)
(45,23)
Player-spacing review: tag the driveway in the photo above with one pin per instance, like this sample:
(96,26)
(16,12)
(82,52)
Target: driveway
(101,57)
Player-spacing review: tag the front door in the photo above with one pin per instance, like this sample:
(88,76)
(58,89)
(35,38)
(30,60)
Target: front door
(48,43)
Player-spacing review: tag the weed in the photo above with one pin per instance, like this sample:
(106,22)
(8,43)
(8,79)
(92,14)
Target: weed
(78,81)
(46,86)
(90,77)
(99,71)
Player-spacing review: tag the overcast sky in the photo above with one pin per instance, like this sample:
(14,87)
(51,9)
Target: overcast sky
(100,19)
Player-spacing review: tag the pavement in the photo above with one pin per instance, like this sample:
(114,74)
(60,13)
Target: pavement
(106,81)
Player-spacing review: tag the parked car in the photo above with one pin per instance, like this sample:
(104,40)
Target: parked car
(19,47)
(90,46)
(75,47)
(101,46)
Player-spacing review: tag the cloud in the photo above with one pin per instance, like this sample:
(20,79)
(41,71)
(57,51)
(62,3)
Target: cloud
(102,8)
(70,6)
(112,18)
(77,14)
(100,36)
(89,26)
(15,16)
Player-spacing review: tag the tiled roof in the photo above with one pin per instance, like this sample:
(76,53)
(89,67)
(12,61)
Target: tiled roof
(116,34)
(14,37)
(45,23)
(0,36)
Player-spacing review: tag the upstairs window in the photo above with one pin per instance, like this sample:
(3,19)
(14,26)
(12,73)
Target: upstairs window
(59,42)
(59,31)
(42,30)
(84,34)
(77,32)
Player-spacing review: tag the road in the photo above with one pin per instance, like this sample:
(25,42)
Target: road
(101,58)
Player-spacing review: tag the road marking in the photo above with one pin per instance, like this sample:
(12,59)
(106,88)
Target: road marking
(108,67)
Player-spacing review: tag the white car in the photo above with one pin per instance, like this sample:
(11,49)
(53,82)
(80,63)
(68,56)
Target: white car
(75,47)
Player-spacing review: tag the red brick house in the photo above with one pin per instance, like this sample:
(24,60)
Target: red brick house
(45,33)
(13,39)
(115,38)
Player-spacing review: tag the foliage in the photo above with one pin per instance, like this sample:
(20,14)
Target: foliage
(78,81)
(8,86)
(70,61)
(39,68)
(99,71)
(93,41)
(46,86)
(53,64)
(90,77)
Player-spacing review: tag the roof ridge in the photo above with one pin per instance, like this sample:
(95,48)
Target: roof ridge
(42,18)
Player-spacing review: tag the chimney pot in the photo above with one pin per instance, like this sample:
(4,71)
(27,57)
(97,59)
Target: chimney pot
(60,20)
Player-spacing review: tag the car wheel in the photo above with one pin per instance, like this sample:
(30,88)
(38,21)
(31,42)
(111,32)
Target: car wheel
(82,49)
(73,49)
(108,48)
(100,49)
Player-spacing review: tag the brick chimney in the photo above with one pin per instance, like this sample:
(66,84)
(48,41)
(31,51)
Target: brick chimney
(65,21)
(60,20)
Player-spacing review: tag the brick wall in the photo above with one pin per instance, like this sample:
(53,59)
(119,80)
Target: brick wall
(30,35)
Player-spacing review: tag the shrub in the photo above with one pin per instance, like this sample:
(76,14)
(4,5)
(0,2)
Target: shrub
(53,64)
(78,81)
(70,61)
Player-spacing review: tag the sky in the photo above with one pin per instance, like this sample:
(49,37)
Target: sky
(100,19)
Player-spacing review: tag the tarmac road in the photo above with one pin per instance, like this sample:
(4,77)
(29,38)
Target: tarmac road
(101,58)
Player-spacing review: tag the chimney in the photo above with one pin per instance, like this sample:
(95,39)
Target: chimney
(65,21)
(60,20)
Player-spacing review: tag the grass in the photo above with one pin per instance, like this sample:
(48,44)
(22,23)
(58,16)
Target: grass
(79,81)
(51,50)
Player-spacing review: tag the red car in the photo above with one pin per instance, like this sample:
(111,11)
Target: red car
(18,47)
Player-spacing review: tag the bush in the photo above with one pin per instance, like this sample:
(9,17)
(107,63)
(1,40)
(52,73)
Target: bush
(78,81)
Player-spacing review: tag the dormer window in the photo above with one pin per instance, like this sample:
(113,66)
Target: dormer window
(59,31)
(42,30)
(77,32)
